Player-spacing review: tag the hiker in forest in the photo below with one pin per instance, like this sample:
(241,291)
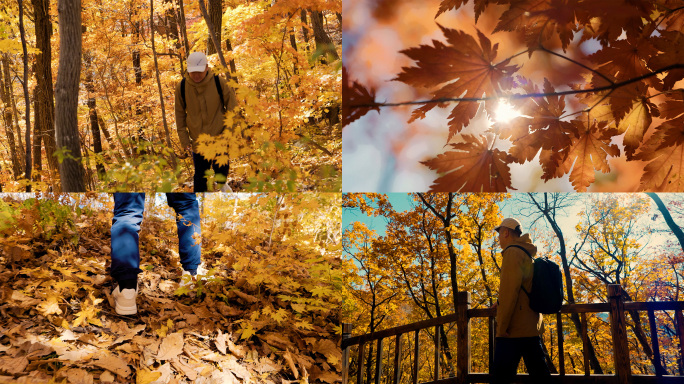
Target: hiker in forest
(201,100)
(518,327)
(128,214)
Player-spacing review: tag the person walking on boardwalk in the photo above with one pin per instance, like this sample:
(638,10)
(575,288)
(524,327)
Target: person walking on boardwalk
(125,267)
(201,100)
(518,327)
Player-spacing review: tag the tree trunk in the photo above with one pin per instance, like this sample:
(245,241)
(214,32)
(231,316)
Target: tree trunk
(5,92)
(161,95)
(183,29)
(549,215)
(39,113)
(27,101)
(66,100)
(94,120)
(45,94)
(233,68)
(324,45)
(305,30)
(676,230)
(216,15)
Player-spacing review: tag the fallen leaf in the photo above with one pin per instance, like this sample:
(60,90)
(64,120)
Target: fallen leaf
(171,347)
(220,342)
(79,376)
(13,365)
(290,362)
(145,376)
(113,363)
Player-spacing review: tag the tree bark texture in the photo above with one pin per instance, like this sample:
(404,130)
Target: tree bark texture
(5,95)
(44,93)
(66,95)
(216,15)
(37,134)
(183,30)
(305,30)
(27,101)
(323,43)
(94,119)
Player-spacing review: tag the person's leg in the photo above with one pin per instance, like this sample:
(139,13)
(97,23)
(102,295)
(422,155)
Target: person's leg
(221,170)
(201,166)
(189,231)
(506,358)
(533,355)
(128,214)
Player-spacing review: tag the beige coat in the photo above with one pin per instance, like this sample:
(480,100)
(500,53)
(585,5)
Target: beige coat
(203,111)
(514,314)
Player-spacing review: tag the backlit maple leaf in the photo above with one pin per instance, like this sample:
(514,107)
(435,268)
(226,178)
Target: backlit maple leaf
(540,127)
(356,100)
(472,167)
(610,17)
(465,66)
(665,151)
(541,20)
(671,45)
(588,152)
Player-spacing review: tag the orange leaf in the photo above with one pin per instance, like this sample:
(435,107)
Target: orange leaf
(355,95)
(472,167)
(589,151)
(467,67)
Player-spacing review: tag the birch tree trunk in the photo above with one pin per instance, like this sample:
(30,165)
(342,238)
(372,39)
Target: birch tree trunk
(66,95)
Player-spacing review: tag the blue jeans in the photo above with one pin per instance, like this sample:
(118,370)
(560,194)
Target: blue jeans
(128,214)
(507,354)
(201,166)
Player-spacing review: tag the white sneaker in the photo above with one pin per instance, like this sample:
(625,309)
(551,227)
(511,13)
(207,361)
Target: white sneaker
(188,280)
(125,301)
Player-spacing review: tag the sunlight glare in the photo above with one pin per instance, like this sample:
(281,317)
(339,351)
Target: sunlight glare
(505,112)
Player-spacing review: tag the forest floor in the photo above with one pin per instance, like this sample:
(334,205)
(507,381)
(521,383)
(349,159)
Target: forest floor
(57,322)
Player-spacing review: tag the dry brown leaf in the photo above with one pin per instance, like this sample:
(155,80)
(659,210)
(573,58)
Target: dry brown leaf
(79,376)
(244,296)
(171,347)
(113,363)
(231,365)
(107,377)
(220,342)
(290,362)
(330,350)
(13,365)
(186,369)
(266,365)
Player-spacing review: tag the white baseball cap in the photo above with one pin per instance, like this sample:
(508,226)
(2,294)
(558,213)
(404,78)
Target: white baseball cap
(510,223)
(197,62)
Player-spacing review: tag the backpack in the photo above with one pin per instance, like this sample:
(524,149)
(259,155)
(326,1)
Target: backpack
(218,89)
(546,295)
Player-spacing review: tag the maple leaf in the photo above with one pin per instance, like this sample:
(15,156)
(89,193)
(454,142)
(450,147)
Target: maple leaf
(627,59)
(588,152)
(606,19)
(635,123)
(665,151)
(541,20)
(671,44)
(465,65)
(544,130)
(472,167)
(355,95)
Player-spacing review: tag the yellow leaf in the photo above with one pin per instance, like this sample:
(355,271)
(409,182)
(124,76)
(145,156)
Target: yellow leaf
(144,376)
(247,332)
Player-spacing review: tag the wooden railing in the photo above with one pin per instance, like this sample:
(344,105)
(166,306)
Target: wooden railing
(616,307)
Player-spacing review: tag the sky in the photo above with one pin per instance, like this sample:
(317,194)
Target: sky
(511,208)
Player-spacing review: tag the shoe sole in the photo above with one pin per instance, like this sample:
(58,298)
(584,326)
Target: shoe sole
(123,310)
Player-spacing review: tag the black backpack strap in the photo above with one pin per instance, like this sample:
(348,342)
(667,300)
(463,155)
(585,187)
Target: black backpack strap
(183,92)
(220,92)
(528,254)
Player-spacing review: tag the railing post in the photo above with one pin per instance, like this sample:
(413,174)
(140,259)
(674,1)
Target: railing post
(346,333)
(619,333)
(378,362)
(463,339)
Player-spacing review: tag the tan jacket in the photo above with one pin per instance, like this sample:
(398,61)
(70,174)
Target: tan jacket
(203,111)
(513,314)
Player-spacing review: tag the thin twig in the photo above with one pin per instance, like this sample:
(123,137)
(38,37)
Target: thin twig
(522,96)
